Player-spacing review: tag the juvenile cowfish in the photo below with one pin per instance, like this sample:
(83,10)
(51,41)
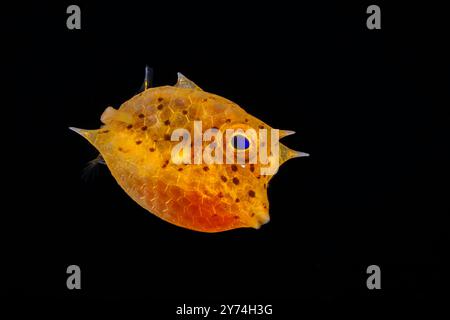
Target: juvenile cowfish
(136,144)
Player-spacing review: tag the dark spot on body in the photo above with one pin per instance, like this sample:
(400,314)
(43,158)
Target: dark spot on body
(251,193)
(237,200)
(252,214)
(228,120)
(141,115)
(179,102)
(246,120)
(160,99)
(236,217)
(265,186)
(165,163)
(105,131)
(129,126)
(144,128)
(235,181)
(220,195)
(167,122)
(138,142)
(224,179)
(261,127)
(234,167)
(205,168)
(184,112)
(159,107)
(167,137)
(152,149)
(204,100)
(120,149)
(252,167)
(180,169)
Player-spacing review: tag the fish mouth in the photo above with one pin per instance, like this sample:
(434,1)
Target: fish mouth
(260,219)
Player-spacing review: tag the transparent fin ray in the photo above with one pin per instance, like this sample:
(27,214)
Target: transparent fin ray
(184,82)
(148,79)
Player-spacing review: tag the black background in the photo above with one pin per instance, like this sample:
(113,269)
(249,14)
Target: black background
(366,104)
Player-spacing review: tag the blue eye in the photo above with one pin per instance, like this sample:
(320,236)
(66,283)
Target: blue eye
(240,142)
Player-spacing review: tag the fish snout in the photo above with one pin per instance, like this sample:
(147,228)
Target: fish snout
(260,218)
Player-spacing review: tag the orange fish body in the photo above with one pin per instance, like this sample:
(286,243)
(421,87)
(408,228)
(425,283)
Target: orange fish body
(136,145)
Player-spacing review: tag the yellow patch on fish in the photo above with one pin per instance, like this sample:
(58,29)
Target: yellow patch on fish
(136,144)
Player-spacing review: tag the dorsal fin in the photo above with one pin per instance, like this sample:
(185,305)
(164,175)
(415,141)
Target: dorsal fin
(148,79)
(184,82)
